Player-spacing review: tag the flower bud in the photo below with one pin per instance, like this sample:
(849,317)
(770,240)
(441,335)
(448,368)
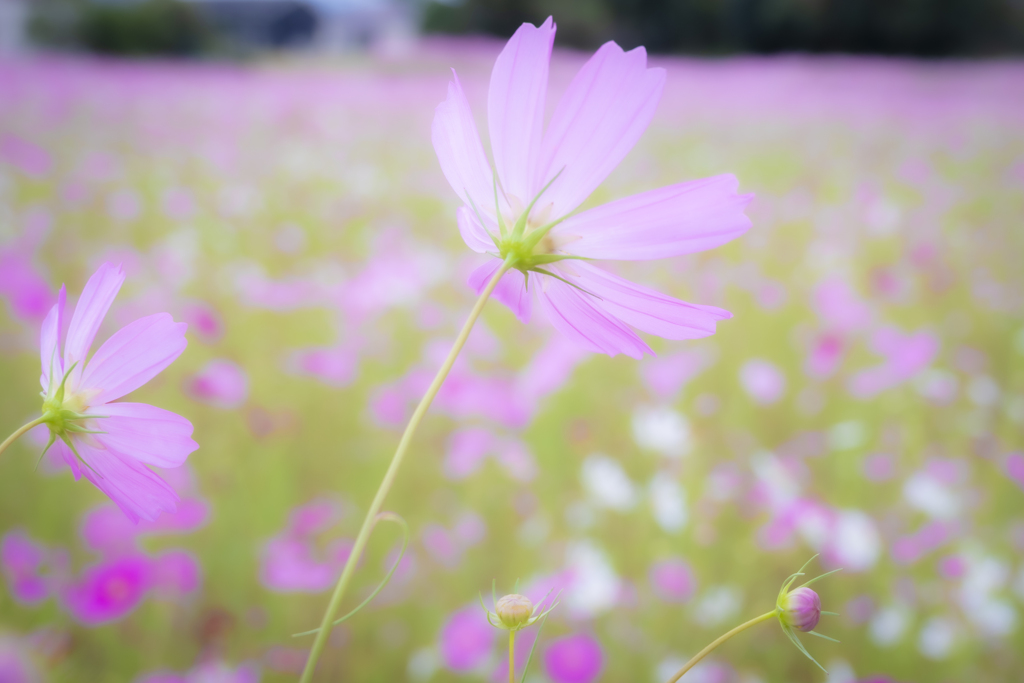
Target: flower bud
(801,609)
(514,610)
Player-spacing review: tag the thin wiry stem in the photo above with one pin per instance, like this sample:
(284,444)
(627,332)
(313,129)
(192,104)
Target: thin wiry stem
(512,656)
(19,431)
(721,639)
(389,477)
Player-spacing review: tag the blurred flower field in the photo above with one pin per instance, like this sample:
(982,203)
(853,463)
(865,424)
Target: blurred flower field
(866,402)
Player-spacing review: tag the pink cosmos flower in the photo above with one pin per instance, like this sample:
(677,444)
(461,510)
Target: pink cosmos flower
(523,214)
(114,441)
(466,639)
(574,659)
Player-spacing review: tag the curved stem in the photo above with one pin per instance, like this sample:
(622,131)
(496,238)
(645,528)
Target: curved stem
(511,656)
(721,639)
(19,431)
(389,477)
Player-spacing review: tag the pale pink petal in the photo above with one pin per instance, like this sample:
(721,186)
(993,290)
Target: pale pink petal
(133,487)
(460,152)
(152,435)
(90,310)
(132,356)
(68,457)
(604,112)
(474,234)
(49,341)
(647,309)
(577,316)
(515,108)
(670,221)
(511,289)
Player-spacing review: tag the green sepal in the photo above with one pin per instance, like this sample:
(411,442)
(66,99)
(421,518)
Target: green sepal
(815,633)
(800,646)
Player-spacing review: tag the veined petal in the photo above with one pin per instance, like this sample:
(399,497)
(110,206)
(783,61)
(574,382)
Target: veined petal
(605,110)
(149,434)
(49,340)
(132,356)
(460,152)
(90,310)
(136,489)
(577,316)
(670,221)
(646,309)
(473,234)
(511,289)
(515,108)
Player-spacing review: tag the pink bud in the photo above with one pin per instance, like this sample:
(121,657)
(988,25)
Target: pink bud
(801,609)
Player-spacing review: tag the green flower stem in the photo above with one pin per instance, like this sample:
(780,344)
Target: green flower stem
(389,477)
(511,655)
(706,651)
(19,431)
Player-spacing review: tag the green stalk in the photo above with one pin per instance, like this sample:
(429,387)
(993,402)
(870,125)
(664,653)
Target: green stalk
(389,478)
(19,431)
(512,656)
(706,651)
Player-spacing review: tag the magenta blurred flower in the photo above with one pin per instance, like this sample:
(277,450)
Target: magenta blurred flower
(29,567)
(763,381)
(1015,468)
(114,441)
(291,562)
(207,672)
(574,659)
(466,639)
(523,212)
(672,580)
(204,321)
(110,590)
(221,383)
(29,158)
(905,356)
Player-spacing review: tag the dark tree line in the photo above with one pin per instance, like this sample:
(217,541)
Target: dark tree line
(906,27)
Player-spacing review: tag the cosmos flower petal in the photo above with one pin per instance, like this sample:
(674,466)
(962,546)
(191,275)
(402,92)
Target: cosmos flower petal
(605,110)
(515,107)
(670,221)
(577,315)
(149,434)
(511,290)
(136,489)
(460,152)
(646,309)
(49,340)
(474,234)
(90,310)
(132,356)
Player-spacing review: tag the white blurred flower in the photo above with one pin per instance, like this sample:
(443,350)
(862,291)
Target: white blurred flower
(888,625)
(718,604)
(595,586)
(663,430)
(607,483)
(855,541)
(929,495)
(937,638)
(668,503)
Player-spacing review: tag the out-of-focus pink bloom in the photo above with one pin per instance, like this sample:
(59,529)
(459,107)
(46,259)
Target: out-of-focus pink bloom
(16,662)
(207,672)
(109,590)
(467,449)
(466,639)
(221,383)
(543,175)
(524,643)
(27,292)
(131,435)
(30,159)
(29,567)
(175,573)
(204,321)
(905,356)
(178,204)
(840,308)
(124,205)
(1015,468)
(447,547)
(933,535)
(335,367)
(879,467)
(825,356)
(291,562)
(672,580)
(953,567)
(666,375)
(574,659)
(763,381)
